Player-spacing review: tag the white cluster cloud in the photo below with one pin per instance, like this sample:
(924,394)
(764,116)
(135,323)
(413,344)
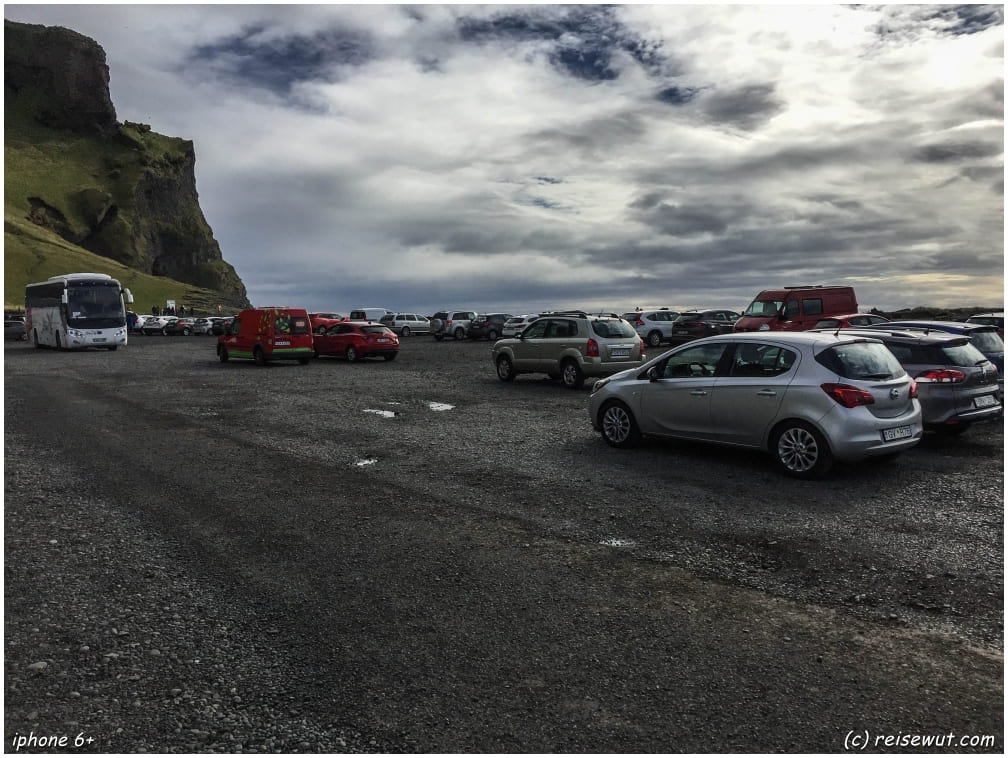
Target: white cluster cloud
(524,157)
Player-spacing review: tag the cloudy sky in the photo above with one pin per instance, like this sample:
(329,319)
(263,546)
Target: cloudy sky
(525,157)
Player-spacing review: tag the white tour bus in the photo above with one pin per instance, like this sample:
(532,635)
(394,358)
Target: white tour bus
(77,311)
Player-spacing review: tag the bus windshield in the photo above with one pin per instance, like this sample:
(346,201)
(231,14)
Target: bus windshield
(93,306)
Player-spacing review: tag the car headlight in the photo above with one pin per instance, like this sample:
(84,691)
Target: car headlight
(599,385)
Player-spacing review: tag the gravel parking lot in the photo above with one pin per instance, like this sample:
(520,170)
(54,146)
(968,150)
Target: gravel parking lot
(415,557)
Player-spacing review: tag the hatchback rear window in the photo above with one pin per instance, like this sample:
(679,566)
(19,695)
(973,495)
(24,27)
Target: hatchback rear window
(861,360)
(987,342)
(963,355)
(375,329)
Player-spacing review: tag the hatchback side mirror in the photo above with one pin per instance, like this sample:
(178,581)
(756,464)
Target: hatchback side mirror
(652,374)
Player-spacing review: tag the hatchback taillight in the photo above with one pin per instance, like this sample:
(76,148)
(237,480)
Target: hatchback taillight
(640,321)
(591,350)
(913,389)
(847,396)
(942,376)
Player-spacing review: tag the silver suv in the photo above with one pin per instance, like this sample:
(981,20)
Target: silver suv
(454,324)
(654,326)
(570,346)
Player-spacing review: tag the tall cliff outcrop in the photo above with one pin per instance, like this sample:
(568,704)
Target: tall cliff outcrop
(117,189)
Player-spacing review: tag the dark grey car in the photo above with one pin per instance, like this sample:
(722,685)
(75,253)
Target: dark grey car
(956,385)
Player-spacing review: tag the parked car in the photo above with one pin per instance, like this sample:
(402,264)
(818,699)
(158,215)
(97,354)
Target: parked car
(655,326)
(692,325)
(516,324)
(221,325)
(155,325)
(14,329)
(320,322)
(984,338)
(354,340)
(989,319)
(202,326)
(490,326)
(180,326)
(795,308)
(453,324)
(570,345)
(850,320)
(268,334)
(807,398)
(956,385)
(405,324)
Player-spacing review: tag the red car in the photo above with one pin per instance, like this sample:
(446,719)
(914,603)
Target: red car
(322,322)
(354,340)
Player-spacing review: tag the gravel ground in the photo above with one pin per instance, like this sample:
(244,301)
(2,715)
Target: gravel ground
(415,557)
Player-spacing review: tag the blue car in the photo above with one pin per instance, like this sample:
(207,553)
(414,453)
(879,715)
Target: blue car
(983,337)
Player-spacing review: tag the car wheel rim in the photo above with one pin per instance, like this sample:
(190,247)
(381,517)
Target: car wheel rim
(503,368)
(569,375)
(616,424)
(798,450)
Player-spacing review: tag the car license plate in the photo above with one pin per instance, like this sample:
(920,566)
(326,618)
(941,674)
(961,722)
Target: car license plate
(102,339)
(383,339)
(681,331)
(899,433)
(283,342)
(619,352)
(984,401)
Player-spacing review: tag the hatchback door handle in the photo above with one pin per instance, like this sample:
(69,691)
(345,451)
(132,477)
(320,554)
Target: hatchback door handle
(767,393)
(698,393)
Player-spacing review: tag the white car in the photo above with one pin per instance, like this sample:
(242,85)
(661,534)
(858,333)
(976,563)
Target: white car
(203,326)
(516,324)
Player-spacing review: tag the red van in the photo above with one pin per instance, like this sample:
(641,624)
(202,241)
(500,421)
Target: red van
(795,309)
(268,334)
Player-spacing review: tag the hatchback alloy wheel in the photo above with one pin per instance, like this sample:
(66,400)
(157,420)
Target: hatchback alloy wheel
(801,451)
(618,426)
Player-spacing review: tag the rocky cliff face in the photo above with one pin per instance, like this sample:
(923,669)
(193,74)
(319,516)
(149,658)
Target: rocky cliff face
(126,193)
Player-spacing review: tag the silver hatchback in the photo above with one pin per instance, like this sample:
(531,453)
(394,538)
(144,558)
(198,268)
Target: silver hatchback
(807,398)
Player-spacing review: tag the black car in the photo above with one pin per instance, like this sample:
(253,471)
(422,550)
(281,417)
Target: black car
(691,325)
(488,326)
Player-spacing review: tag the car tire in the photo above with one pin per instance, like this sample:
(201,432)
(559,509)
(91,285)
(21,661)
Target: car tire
(259,356)
(112,347)
(320,329)
(492,335)
(222,354)
(405,331)
(304,361)
(186,332)
(351,354)
(390,356)
(459,333)
(571,374)
(59,343)
(654,339)
(799,450)
(505,369)
(619,427)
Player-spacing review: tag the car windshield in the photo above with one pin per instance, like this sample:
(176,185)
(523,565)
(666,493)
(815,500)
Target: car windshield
(612,327)
(861,360)
(764,308)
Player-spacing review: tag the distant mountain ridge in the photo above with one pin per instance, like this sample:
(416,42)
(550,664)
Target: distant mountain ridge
(118,190)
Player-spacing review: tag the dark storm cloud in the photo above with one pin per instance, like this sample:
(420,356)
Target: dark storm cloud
(969,19)
(586,39)
(256,59)
(677,95)
(949,152)
(745,108)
